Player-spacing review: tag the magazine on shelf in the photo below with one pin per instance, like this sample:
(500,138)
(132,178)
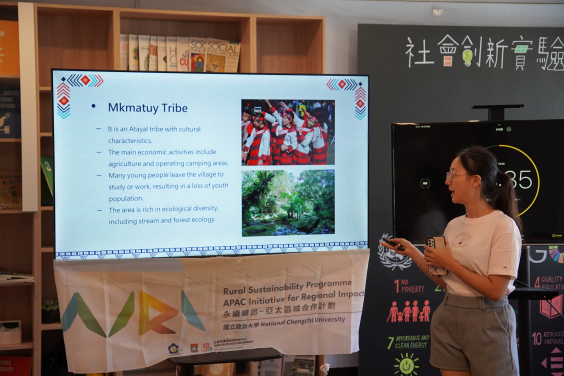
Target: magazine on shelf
(153,54)
(161,54)
(197,54)
(15,365)
(9,48)
(7,277)
(123,50)
(47,181)
(144,43)
(10,112)
(183,54)
(10,190)
(133,52)
(216,53)
(171,54)
(232,59)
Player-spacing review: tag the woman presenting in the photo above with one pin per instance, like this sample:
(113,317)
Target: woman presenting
(473,330)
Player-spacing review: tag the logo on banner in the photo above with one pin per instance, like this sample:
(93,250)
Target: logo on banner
(554,362)
(390,259)
(406,365)
(206,347)
(78,307)
(551,308)
(410,312)
(173,349)
(194,347)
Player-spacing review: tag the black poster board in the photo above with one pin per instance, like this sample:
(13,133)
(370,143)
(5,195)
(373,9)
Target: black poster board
(422,74)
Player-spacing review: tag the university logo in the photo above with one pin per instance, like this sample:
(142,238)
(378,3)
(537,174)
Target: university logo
(78,307)
(173,349)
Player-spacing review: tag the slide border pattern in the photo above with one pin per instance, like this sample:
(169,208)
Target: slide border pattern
(212,250)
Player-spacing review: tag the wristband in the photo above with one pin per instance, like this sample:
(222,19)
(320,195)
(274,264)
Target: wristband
(419,265)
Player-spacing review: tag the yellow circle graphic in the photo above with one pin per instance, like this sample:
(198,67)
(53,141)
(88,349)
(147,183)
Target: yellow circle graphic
(536,170)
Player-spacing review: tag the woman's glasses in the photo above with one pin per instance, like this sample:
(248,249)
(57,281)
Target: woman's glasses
(451,173)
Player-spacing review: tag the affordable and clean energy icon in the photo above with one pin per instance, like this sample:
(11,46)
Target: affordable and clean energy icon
(406,365)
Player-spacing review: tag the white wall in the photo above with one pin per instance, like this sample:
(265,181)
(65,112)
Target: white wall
(343,16)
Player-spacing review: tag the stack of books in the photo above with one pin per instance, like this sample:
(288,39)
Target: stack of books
(178,54)
(10,278)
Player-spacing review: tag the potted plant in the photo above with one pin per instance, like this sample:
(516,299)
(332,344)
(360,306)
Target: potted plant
(49,311)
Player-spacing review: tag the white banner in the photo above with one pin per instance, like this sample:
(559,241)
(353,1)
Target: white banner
(120,315)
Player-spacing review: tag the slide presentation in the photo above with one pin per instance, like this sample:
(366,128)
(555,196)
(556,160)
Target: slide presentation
(157,164)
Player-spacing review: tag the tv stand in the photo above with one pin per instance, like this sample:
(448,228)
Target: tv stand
(496,112)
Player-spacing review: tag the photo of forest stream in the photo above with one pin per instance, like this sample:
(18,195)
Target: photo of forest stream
(296,202)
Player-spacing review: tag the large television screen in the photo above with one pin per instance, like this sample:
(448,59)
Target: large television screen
(157,164)
(531,152)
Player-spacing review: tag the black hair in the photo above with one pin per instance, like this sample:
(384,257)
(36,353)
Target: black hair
(497,186)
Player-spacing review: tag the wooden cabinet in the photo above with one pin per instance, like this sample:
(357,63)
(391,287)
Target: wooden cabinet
(16,235)
(75,37)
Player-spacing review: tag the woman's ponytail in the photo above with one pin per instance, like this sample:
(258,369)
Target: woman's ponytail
(497,186)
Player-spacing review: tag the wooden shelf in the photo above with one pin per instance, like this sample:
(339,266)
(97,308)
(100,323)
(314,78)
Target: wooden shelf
(46,208)
(13,211)
(9,76)
(45,89)
(47,249)
(17,284)
(46,134)
(17,346)
(53,326)
(10,140)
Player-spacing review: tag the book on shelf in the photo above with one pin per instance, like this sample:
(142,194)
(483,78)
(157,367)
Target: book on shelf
(153,54)
(197,54)
(10,190)
(133,52)
(7,277)
(15,365)
(183,54)
(161,54)
(216,54)
(171,54)
(10,112)
(123,51)
(47,181)
(144,43)
(9,48)
(232,59)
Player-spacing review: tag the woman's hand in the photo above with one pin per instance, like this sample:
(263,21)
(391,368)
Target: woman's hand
(283,147)
(244,156)
(439,257)
(409,251)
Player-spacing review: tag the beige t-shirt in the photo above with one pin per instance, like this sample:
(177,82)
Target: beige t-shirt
(489,245)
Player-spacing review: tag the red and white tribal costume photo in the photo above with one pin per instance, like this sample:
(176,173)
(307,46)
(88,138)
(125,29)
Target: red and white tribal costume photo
(246,126)
(285,135)
(287,138)
(305,137)
(274,147)
(257,147)
(319,144)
